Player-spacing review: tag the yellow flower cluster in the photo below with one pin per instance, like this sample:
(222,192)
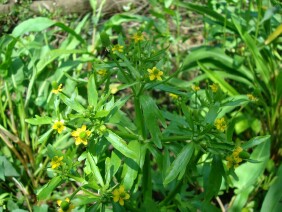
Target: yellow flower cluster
(117,48)
(155,73)
(173,96)
(214,87)
(119,195)
(233,160)
(81,135)
(57,162)
(195,87)
(102,72)
(138,37)
(65,206)
(252,97)
(59,126)
(220,124)
(58,89)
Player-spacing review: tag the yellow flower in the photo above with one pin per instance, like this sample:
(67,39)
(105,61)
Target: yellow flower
(237,151)
(59,126)
(81,135)
(155,73)
(138,37)
(173,96)
(233,160)
(220,124)
(252,97)
(56,162)
(59,89)
(195,88)
(65,205)
(214,87)
(114,87)
(119,195)
(117,48)
(102,72)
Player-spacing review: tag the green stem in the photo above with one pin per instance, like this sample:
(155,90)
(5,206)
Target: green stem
(171,195)
(139,117)
(147,179)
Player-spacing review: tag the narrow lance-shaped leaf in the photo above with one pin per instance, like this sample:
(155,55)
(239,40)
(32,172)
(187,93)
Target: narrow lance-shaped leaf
(72,103)
(49,187)
(255,141)
(180,163)
(214,179)
(119,144)
(39,120)
(92,91)
(95,169)
(151,116)
(272,200)
(131,166)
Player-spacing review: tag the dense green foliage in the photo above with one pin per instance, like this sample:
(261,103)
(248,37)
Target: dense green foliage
(102,116)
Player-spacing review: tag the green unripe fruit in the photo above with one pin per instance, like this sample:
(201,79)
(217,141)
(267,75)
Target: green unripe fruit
(54,85)
(65,205)
(83,135)
(102,128)
(244,155)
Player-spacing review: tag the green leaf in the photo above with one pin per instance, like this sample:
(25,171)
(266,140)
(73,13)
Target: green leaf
(277,32)
(39,120)
(32,25)
(105,39)
(43,138)
(47,189)
(120,145)
(247,181)
(151,115)
(72,103)
(112,166)
(180,163)
(92,91)
(131,166)
(167,3)
(102,113)
(219,80)
(7,169)
(272,200)
(213,182)
(208,12)
(256,141)
(216,57)
(261,66)
(94,169)
(212,114)
(54,54)
(41,208)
